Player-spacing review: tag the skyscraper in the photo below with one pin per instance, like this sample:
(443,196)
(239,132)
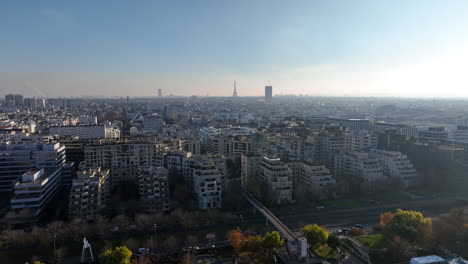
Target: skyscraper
(234,94)
(268,94)
(159,92)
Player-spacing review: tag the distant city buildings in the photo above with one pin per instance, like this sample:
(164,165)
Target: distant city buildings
(153,123)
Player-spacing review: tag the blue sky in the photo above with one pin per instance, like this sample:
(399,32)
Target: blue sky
(119,48)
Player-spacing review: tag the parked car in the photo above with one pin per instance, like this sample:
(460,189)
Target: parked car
(115,229)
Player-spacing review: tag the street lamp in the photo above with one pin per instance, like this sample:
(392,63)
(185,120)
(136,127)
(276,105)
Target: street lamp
(156,232)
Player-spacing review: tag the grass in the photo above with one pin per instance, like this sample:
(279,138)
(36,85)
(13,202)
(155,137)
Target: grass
(373,241)
(327,252)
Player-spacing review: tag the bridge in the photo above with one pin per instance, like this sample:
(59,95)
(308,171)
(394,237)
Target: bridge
(293,241)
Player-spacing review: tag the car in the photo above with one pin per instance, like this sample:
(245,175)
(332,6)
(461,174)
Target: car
(115,229)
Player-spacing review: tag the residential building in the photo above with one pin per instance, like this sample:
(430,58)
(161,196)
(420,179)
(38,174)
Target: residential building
(153,189)
(207,185)
(277,178)
(82,131)
(358,164)
(314,178)
(15,160)
(250,167)
(32,193)
(395,164)
(89,193)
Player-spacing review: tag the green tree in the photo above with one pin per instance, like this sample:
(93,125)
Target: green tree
(333,241)
(271,242)
(316,235)
(412,226)
(118,255)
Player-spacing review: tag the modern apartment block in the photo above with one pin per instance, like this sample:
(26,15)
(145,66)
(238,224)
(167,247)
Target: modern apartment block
(207,184)
(153,189)
(358,164)
(395,164)
(89,193)
(250,167)
(32,193)
(123,158)
(15,160)
(314,178)
(361,140)
(277,177)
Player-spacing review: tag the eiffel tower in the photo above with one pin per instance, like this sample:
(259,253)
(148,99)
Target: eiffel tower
(234,94)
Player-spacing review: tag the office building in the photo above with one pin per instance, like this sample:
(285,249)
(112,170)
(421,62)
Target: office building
(153,123)
(89,193)
(268,94)
(153,189)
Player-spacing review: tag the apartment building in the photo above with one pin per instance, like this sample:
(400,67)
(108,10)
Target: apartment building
(82,131)
(250,167)
(123,158)
(32,193)
(361,140)
(358,164)
(153,189)
(190,162)
(89,193)
(314,178)
(277,178)
(395,164)
(15,160)
(207,185)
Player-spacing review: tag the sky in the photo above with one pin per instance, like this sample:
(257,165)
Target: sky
(415,48)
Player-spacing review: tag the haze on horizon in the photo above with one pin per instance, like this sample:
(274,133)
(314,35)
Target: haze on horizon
(118,48)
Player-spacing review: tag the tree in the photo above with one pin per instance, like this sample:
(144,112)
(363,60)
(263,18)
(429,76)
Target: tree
(333,241)
(411,226)
(236,239)
(119,255)
(271,242)
(385,219)
(316,235)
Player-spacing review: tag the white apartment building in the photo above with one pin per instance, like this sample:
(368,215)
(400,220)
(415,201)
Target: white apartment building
(315,178)
(82,131)
(290,147)
(250,167)
(361,140)
(190,162)
(112,132)
(278,179)
(395,164)
(207,185)
(89,193)
(358,164)
(153,189)
(33,193)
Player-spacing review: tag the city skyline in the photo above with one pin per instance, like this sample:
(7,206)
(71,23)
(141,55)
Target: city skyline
(405,49)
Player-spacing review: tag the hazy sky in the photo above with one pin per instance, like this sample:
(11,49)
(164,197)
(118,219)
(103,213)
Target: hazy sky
(199,47)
